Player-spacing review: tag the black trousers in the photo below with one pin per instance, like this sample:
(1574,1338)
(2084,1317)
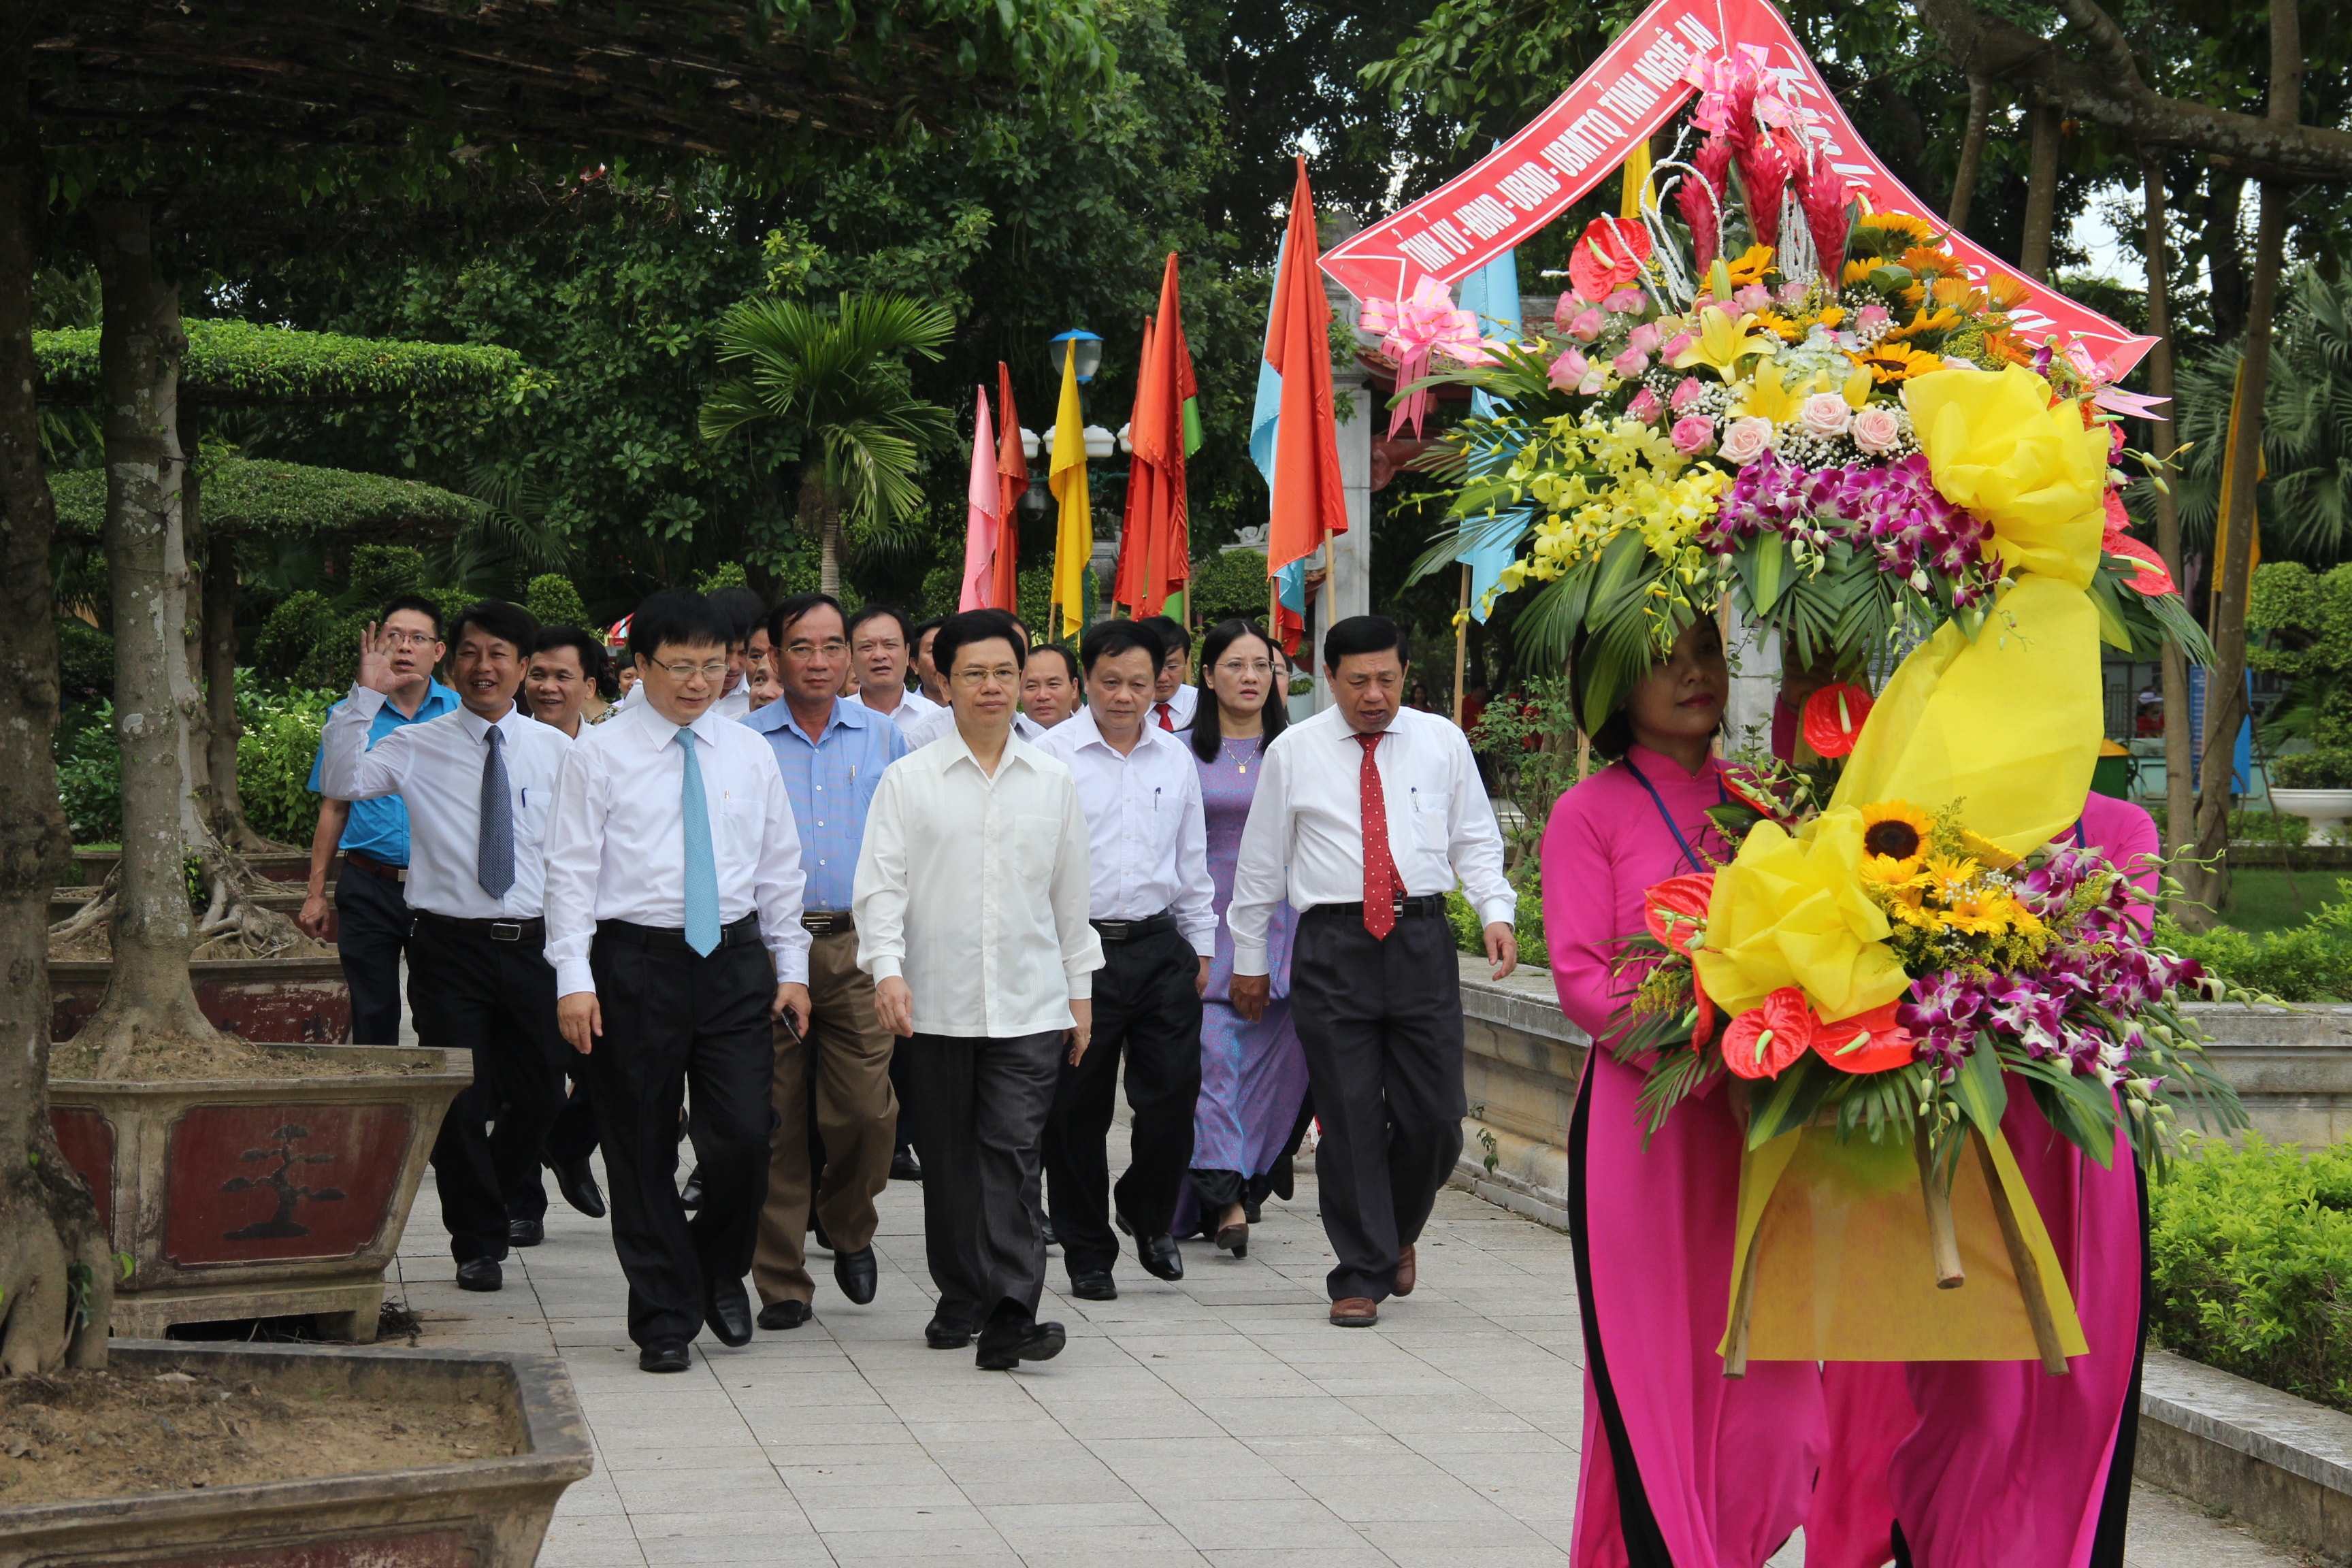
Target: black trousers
(371,925)
(571,1138)
(1146,1006)
(979,1109)
(496,999)
(673,1018)
(1381,1025)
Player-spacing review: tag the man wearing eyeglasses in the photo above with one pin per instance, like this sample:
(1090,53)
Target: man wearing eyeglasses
(674,925)
(371,919)
(831,752)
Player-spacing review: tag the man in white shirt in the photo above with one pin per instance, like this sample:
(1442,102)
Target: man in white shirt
(1154,906)
(1050,686)
(1174,698)
(880,638)
(1366,815)
(928,674)
(478,783)
(971,903)
(674,925)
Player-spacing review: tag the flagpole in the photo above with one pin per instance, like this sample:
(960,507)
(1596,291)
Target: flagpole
(1461,643)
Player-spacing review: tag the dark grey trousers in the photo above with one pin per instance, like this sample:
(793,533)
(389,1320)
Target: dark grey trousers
(1381,1025)
(978,1109)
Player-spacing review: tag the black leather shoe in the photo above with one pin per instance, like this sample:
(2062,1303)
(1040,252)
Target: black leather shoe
(665,1355)
(1158,1253)
(480,1274)
(1095,1286)
(578,1185)
(784,1314)
(1002,1348)
(904,1166)
(855,1273)
(728,1309)
(689,1196)
(1045,1228)
(525,1233)
(942,1335)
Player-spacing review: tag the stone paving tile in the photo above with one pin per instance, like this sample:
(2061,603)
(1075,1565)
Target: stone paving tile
(1214,1423)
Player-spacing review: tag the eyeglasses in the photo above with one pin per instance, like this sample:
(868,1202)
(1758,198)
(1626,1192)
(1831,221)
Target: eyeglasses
(715,670)
(1246,667)
(410,640)
(831,648)
(1004,673)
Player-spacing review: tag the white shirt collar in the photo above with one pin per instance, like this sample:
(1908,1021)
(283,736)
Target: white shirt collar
(476,726)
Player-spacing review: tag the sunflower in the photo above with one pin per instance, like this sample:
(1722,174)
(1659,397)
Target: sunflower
(1986,850)
(1922,321)
(1895,362)
(1917,230)
(1896,832)
(1987,912)
(1750,265)
(1789,332)
(1951,878)
(1858,272)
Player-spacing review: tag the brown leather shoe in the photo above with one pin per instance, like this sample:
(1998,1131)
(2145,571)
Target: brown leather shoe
(1407,1276)
(1355,1313)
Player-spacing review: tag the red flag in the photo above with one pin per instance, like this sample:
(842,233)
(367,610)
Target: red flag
(1309,503)
(1012,480)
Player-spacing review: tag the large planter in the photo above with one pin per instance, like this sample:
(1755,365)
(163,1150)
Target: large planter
(293,1001)
(2325,809)
(475,1513)
(294,866)
(259,1197)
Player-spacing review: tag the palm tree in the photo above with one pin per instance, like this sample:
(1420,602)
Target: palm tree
(838,379)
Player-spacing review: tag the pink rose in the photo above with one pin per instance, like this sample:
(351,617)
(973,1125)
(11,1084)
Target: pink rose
(1630,363)
(1626,302)
(1871,316)
(1674,347)
(1826,414)
(1755,297)
(1747,440)
(1877,430)
(1568,370)
(1587,325)
(1645,406)
(1692,433)
(1793,294)
(1688,392)
(1645,338)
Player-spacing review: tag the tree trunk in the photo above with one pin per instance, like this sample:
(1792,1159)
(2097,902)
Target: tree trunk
(817,505)
(2180,785)
(192,628)
(228,823)
(2225,264)
(148,993)
(1972,141)
(2225,698)
(2040,193)
(52,1249)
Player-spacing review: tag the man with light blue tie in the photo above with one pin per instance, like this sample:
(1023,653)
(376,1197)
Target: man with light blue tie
(673,923)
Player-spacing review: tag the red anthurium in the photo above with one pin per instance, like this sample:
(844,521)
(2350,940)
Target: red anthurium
(1867,1042)
(1675,910)
(1762,1041)
(1834,717)
(1609,253)
(2149,575)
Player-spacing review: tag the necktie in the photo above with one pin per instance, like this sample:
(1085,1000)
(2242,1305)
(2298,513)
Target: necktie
(1167,720)
(1381,883)
(701,870)
(494,851)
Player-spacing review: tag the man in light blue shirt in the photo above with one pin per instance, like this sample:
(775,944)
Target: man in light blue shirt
(371,919)
(832,753)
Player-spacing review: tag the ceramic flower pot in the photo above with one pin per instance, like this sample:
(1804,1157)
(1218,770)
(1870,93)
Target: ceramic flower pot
(2326,809)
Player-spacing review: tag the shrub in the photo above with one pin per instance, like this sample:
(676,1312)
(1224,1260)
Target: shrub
(2251,826)
(553,601)
(313,641)
(274,753)
(85,660)
(89,777)
(2309,962)
(2329,767)
(2251,1255)
(1528,925)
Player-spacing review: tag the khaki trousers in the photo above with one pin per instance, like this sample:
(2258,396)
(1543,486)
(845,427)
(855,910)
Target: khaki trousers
(846,1056)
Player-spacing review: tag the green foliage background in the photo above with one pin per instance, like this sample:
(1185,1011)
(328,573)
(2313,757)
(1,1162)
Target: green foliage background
(280,725)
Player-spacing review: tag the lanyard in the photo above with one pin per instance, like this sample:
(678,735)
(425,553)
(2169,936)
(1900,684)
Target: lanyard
(2078,835)
(1667,817)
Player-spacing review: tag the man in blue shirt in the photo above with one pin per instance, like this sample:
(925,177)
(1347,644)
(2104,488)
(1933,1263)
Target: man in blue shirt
(832,753)
(370,912)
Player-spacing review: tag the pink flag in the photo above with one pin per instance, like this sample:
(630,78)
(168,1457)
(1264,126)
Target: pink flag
(981,523)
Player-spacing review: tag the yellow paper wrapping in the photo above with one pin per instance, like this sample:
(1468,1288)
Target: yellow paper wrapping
(2007,726)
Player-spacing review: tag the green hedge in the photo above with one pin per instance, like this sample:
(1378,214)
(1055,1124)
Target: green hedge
(230,361)
(280,740)
(1471,937)
(248,496)
(2252,1265)
(2307,962)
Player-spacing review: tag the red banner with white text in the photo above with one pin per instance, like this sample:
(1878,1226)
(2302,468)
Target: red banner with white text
(1635,87)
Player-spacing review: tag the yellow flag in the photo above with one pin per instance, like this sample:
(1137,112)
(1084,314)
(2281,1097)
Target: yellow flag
(1636,182)
(1074,535)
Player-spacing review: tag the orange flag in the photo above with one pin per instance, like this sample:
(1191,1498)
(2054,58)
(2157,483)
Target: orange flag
(1308,503)
(1139,528)
(1012,478)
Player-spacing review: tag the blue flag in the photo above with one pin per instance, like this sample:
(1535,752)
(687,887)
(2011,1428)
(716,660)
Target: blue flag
(1493,291)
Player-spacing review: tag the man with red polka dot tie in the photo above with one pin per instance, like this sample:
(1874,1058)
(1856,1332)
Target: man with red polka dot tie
(1365,817)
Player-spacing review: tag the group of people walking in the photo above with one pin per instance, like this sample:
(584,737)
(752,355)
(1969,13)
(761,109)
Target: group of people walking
(828,929)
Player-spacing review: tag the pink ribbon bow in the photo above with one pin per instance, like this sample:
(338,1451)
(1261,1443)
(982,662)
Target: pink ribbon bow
(1413,329)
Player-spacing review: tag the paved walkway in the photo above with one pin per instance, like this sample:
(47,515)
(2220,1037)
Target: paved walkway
(1217,1422)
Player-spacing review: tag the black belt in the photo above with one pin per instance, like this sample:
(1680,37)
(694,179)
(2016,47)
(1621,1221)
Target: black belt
(1128,930)
(828,922)
(1420,904)
(742,930)
(531,930)
(373,867)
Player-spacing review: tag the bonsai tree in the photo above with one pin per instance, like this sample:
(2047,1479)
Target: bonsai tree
(2305,622)
(836,381)
(112,103)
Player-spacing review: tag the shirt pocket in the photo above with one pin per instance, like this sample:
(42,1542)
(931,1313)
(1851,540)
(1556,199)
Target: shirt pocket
(530,805)
(1432,820)
(742,821)
(1036,841)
